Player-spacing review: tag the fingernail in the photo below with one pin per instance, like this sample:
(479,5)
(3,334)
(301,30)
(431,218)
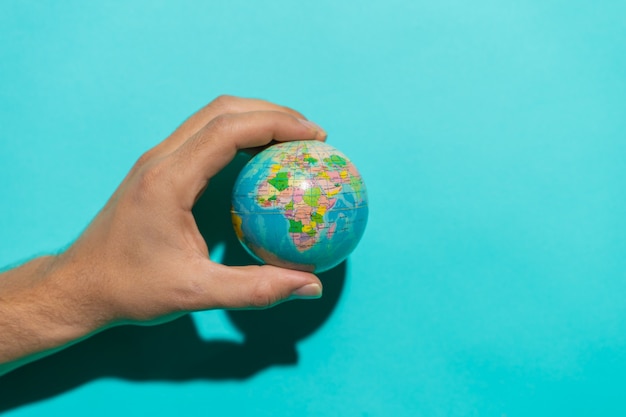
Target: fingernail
(308,291)
(314,126)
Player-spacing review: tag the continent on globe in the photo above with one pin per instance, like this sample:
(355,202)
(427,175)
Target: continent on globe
(301,205)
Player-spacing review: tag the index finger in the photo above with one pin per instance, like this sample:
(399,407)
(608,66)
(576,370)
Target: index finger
(215,145)
(222,105)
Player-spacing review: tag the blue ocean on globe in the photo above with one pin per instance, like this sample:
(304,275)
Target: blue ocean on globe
(301,205)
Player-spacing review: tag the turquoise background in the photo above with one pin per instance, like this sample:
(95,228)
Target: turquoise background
(491,278)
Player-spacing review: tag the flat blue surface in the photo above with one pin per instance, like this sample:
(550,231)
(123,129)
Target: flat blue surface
(491,135)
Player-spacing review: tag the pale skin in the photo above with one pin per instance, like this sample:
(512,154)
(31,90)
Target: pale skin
(142,260)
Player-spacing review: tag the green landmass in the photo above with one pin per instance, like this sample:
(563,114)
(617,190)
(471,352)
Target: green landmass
(317,218)
(311,232)
(312,195)
(272,198)
(336,160)
(289,205)
(280,181)
(311,160)
(357,185)
(295,226)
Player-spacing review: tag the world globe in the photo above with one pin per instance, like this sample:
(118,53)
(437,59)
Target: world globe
(300,205)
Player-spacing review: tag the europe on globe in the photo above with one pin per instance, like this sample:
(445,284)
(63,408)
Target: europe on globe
(300,205)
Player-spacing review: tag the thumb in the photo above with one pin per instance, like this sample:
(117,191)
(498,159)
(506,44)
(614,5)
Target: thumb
(258,286)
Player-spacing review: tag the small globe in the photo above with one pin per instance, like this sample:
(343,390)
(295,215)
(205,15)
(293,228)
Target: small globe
(300,205)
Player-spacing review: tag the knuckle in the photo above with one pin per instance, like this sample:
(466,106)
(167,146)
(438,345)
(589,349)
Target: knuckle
(262,295)
(222,123)
(151,177)
(145,159)
(192,296)
(223,102)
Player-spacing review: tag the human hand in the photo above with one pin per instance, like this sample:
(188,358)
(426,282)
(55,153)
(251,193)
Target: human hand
(142,259)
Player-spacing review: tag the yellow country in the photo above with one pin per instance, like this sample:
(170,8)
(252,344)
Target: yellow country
(237,225)
(324,175)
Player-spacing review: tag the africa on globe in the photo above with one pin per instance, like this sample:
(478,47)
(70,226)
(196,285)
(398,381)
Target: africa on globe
(300,205)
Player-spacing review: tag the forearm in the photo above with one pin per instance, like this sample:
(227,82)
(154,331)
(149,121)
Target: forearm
(38,315)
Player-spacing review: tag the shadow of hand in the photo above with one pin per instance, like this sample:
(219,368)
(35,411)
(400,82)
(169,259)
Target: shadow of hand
(174,351)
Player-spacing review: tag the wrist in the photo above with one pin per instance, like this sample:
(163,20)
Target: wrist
(40,311)
(73,304)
